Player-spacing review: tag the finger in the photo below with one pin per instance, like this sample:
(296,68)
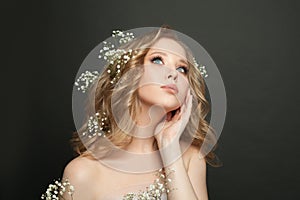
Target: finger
(182,109)
(187,107)
(188,96)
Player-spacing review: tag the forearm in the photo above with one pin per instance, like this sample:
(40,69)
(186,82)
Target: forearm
(180,185)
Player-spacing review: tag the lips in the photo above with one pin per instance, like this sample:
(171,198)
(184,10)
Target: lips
(171,87)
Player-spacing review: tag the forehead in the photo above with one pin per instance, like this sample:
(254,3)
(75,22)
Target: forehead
(170,46)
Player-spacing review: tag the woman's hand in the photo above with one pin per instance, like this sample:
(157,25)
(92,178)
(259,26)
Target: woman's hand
(170,130)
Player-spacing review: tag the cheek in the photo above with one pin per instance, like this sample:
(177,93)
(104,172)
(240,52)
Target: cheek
(183,86)
(153,74)
(147,94)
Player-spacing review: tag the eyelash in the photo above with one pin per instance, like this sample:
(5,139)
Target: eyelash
(159,57)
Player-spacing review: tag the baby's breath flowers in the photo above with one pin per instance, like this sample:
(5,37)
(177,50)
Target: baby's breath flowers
(55,191)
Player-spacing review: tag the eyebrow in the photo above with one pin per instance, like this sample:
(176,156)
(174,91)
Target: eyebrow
(164,54)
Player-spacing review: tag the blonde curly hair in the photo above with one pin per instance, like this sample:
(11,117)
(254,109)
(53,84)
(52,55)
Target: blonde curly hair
(198,128)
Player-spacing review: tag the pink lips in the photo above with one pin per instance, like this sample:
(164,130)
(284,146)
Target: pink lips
(171,87)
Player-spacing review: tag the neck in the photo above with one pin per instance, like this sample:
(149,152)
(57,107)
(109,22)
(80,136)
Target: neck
(141,145)
(147,120)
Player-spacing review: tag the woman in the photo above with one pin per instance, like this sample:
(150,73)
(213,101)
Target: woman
(150,100)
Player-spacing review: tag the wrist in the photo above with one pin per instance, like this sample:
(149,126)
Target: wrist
(164,143)
(170,153)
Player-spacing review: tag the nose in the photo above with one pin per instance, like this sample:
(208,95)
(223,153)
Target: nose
(172,74)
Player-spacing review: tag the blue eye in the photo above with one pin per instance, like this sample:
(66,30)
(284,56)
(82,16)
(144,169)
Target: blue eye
(183,69)
(157,60)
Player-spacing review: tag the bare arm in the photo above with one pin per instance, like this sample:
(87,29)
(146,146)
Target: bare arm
(186,183)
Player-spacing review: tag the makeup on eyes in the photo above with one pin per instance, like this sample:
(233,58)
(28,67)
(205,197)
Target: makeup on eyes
(158,59)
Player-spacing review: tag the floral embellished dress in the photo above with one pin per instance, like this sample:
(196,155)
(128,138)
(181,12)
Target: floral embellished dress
(157,190)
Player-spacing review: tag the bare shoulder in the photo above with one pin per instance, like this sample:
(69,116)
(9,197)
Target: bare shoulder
(81,167)
(82,173)
(193,157)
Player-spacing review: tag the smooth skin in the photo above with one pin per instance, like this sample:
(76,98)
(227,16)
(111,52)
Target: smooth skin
(93,180)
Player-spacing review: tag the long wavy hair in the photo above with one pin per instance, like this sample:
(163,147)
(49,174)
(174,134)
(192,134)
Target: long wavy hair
(198,128)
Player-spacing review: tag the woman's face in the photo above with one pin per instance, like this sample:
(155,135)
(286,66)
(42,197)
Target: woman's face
(164,81)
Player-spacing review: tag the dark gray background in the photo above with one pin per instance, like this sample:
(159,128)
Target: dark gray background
(254,44)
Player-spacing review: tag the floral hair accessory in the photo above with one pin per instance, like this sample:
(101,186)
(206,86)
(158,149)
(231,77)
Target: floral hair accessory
(120,61)
(109,52)
(116,58)
(113,56)
(97,126)
(85,80)
(201,68)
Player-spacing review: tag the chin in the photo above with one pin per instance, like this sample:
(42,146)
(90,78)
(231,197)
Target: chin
(151,96)
(170,108)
